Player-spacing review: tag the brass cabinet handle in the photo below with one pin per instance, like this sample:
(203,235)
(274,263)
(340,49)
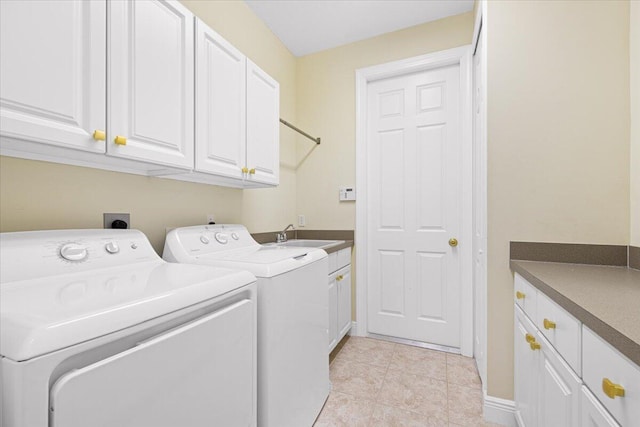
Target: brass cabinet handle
(519,295)
(245,170)
(120,140)
(548,324)
(611,389)
(339,278)
(453,242)
(99,135)
(534,345)
(252,171)
(530,338)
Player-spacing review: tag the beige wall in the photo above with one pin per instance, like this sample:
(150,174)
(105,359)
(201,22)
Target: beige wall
(326,108)
(38,195)
(558,141)
(634,54)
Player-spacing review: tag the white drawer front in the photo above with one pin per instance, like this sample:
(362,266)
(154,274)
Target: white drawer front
(601,361)
(333,262)
(344,258)
(561,329)
(525,296)
(593,413)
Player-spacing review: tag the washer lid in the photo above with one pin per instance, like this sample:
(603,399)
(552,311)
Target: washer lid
(42,315)
(263,261)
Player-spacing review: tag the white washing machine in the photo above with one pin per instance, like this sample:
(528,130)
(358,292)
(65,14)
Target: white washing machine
(293,318)
(97,330)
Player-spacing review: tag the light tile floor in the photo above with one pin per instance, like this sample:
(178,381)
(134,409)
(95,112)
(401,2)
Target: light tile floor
(379,383)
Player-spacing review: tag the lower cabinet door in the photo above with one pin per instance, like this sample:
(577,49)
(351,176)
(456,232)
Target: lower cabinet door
(525,370)
(593,413)
(333,312)
(559,389)
(344,301)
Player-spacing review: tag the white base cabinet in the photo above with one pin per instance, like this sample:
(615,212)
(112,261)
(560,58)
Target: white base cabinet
(561,367)
(339,296)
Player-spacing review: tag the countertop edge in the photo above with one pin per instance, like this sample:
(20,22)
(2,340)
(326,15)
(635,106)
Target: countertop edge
(619,341)
(336,248)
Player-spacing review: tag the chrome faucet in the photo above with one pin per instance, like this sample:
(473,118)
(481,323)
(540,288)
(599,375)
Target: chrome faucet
(282,236)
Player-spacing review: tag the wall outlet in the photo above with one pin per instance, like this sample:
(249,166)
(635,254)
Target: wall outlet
(301,221)
(211,219)
(116,220)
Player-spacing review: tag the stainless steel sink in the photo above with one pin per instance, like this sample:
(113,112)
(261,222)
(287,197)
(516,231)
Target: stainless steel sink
(307,243)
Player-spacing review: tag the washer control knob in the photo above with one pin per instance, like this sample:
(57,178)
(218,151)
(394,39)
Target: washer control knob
(112,247)
(73,252)
(204,239)
(222,238)
(234,236)
(134,246)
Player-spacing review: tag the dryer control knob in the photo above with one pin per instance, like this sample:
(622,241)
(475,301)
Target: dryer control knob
(234,236)
(204,239)
(222,238)
(112,247)
(73,252)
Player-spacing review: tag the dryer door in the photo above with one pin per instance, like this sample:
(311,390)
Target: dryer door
(199,374)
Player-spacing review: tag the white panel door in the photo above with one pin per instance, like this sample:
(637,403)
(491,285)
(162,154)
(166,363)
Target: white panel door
(414,181)
(220,105)
(593,413)
(53,72)
(333,312)
(526,362)
(200,374)
(344,301)
(558,391)
(263,126)
(151,89)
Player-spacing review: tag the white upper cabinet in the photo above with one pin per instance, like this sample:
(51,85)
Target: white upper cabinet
(52,73)
(220,105)
(263,126)
(151,82)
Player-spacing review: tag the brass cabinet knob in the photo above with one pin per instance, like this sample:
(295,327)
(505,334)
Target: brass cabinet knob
(99,135)
(252,171)
(453,242)
(611,389)
(120,140)
(548,324)
(534,345)
(519,295)
(530,338)
(339,278)
(245,170)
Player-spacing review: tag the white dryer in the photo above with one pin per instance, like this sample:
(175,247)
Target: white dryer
(97,330)
(293,317)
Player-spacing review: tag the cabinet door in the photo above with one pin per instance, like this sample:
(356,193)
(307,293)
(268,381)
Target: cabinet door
(53,72)
(525,371)
(220,105)
(344,301)
(263,126)
(333,312)
(558,390)
(593,413)
(151,89)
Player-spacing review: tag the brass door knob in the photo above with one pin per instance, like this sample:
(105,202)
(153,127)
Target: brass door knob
(611,389)
(99,135)
(120,140)
(453,242)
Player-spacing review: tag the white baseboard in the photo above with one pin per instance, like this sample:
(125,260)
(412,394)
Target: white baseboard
(499,411)
(353,332)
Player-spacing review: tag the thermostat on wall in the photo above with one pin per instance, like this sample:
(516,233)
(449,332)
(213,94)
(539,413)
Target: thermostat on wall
(347,194)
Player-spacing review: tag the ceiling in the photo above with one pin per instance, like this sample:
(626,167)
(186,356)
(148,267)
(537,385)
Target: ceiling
(309,26)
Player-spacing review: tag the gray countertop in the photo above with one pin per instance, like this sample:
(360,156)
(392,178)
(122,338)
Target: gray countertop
(606,299)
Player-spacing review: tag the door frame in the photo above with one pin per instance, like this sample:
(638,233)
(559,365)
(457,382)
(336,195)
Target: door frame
(461,56)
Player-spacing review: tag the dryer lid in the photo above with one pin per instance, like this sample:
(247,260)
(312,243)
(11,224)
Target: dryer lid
(39,316)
